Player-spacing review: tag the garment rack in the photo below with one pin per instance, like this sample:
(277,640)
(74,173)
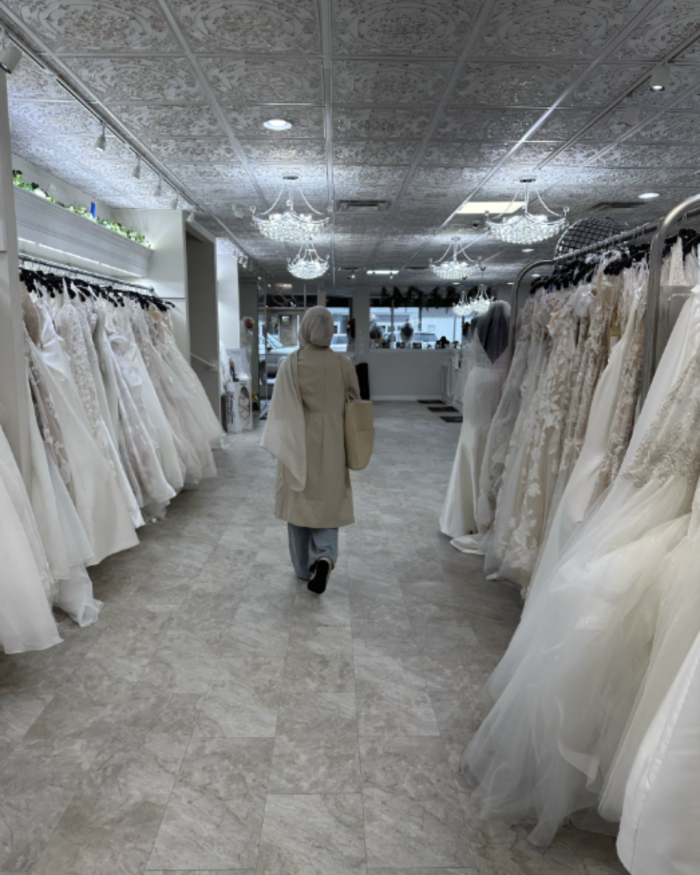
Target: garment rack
(688,207)
(79,272)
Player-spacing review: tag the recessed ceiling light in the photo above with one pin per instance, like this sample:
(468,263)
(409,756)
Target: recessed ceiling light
(511,284)
(660,76)
(277,124)
(494,207)
(528,250)
(383,272)
(648,195)
(536,275)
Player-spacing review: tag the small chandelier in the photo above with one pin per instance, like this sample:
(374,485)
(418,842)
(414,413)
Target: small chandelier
(463,307)
(308,264)
(481,302)
(525,227)
(290,226)
(454,269)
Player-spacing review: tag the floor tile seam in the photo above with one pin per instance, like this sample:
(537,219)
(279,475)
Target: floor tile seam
(77,790)
(359,756)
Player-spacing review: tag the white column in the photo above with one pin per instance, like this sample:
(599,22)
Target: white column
(14,406)
(361,312)
(229,301)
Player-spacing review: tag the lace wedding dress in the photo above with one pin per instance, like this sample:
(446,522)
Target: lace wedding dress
(549,743)
(487,370)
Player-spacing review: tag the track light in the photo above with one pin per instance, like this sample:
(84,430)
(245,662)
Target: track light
(10,55)
(136,172)
(176,202)
(631,116)
(101,141)
(158,190)
(660,76)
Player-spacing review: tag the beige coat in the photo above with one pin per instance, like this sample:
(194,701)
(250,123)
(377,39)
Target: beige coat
(326,500)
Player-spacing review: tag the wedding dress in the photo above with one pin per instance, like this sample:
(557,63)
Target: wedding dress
(68,325)
(548,744)
(26,621)
(503,423)
(91,481)
(495,543)
(488,368)
(659,828)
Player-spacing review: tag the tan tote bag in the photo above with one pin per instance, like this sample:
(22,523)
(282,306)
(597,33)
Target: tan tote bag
(359,431)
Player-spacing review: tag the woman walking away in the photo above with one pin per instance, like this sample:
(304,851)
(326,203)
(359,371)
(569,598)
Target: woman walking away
(305,432)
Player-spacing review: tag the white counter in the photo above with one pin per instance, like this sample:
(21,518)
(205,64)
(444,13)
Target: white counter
(406,374)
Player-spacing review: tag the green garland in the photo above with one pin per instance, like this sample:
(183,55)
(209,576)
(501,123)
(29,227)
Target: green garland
(437,299)
(117,227)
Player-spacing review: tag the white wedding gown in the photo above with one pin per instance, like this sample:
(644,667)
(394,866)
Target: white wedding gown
(482,394)
(580,655)
(26,621)
(659,832)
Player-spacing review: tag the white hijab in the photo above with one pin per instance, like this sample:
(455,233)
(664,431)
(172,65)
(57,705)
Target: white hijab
(284,436)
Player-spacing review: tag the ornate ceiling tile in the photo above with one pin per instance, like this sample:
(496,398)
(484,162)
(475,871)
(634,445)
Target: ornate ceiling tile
(249,25)
(646,156)
(265,80)
(248,121)
(672,23)
(373,152)
(563,124)
(30,82)
(360,175)
(530,154)
(142,80)
(463,154)
(310,176)
(174,121)
(606,83)
(380,122)
(566,29)
(610,127)
(393,82)
(193,150)
(445,177)
(577,154)
(534,84)
(55,118)
(293,151)
(480,124)
(402,26)
(96,25)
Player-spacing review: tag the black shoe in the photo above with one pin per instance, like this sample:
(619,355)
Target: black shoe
(319,579)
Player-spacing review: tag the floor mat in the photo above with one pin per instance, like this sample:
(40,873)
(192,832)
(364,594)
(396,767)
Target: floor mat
(445,408)
(437,401)
(452,418)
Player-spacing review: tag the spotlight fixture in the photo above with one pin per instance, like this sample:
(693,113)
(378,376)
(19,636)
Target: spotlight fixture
(660,77)
(536,275)
(648,195)
(10,54)
(191,216)
(101,141)
(136,172)
(158,190)
(175,203)
(528,250)
(277,124)
(631,116)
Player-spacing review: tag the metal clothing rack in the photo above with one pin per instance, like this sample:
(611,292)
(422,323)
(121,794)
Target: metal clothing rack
(689,207)
(79,272)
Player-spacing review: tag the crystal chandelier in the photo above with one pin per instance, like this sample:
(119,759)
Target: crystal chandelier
(525,227)
(463,307)
(454,269)
(481,302)
(308,264)
(290,226)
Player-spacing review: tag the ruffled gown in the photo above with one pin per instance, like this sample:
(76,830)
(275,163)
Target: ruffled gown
(548,745)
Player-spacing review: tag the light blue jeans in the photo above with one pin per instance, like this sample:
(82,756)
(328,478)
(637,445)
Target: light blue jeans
(307,546)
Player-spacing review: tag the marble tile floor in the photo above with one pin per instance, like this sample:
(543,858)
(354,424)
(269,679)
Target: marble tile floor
(220,719)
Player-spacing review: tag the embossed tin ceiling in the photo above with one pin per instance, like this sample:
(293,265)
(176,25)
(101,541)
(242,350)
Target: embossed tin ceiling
(423,103)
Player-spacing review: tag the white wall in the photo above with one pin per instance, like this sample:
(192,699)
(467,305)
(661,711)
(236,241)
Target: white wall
(63,191)
(167,269)
(229,299)
(406,374)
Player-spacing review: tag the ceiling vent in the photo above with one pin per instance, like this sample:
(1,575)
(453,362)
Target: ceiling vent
(617,206)
(362,206)
(422,267)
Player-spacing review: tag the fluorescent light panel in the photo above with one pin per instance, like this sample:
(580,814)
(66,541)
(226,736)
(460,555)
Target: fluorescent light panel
(478,208)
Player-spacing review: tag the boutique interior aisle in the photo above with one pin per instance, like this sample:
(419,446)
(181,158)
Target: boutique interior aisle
(219,718)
